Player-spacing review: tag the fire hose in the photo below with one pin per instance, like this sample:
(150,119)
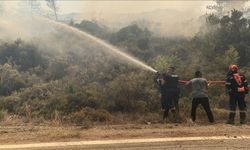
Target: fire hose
(209,82)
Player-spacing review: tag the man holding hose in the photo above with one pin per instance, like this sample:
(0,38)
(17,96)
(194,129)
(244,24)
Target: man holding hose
(169,88)
(199,87)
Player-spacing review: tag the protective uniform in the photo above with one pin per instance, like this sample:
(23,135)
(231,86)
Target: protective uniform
(237,88)
(169,93)
(172,89)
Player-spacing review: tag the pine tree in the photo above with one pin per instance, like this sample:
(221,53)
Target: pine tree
(53,6)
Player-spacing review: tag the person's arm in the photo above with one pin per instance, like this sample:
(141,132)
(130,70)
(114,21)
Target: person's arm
(183,81)
(188,83)
(245,84)
(206,84)
(228,85)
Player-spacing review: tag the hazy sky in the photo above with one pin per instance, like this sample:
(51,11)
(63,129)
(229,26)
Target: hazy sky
(113,6)
(139,6)
(178,17)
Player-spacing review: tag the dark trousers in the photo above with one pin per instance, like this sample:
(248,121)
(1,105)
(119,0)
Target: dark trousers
(237,99)
(205,104)
(168,105)
(176,102)
(170,102)
(170,99)
(166,112)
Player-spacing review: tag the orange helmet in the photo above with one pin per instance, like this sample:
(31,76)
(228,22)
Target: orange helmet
(233,68)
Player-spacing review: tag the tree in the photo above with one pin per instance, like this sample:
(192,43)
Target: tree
(53,6)
(162,63)
(231,30)
(222,7)
(231,56)
(92,28)
(129,33)
(25,56)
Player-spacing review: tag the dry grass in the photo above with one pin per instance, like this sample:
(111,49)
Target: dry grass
(30,134)
(14,129)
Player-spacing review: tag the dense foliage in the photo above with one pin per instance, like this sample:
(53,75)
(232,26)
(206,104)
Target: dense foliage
(75,88)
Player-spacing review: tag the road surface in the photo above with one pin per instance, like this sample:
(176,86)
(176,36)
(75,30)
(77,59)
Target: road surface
(213,143)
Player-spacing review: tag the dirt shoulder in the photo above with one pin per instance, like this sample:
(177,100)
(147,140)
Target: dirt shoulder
(29,133)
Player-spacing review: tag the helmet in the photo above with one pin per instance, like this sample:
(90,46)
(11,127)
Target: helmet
(233,68)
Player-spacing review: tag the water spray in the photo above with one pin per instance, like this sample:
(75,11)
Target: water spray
(101,42)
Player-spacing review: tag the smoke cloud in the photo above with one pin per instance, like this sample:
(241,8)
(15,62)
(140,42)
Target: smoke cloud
(164,18)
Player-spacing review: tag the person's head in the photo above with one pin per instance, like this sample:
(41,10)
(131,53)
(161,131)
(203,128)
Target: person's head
(233,68)
(197,74)
(171,69)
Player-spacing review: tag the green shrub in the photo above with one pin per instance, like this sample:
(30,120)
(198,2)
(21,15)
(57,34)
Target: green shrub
(11,104)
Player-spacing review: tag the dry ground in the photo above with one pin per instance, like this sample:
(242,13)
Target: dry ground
(30,133)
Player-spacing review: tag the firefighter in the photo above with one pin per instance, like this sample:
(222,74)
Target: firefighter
(237,87)
(172,83)
(168,83)
(199,87)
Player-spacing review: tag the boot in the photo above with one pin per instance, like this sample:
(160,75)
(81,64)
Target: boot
(243,118)
(165,115)
(176,118)
(231,118)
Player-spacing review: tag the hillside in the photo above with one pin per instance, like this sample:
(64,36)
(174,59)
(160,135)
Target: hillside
(60,76)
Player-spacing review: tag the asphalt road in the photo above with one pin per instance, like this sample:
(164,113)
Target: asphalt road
(184,145)
(190,143)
